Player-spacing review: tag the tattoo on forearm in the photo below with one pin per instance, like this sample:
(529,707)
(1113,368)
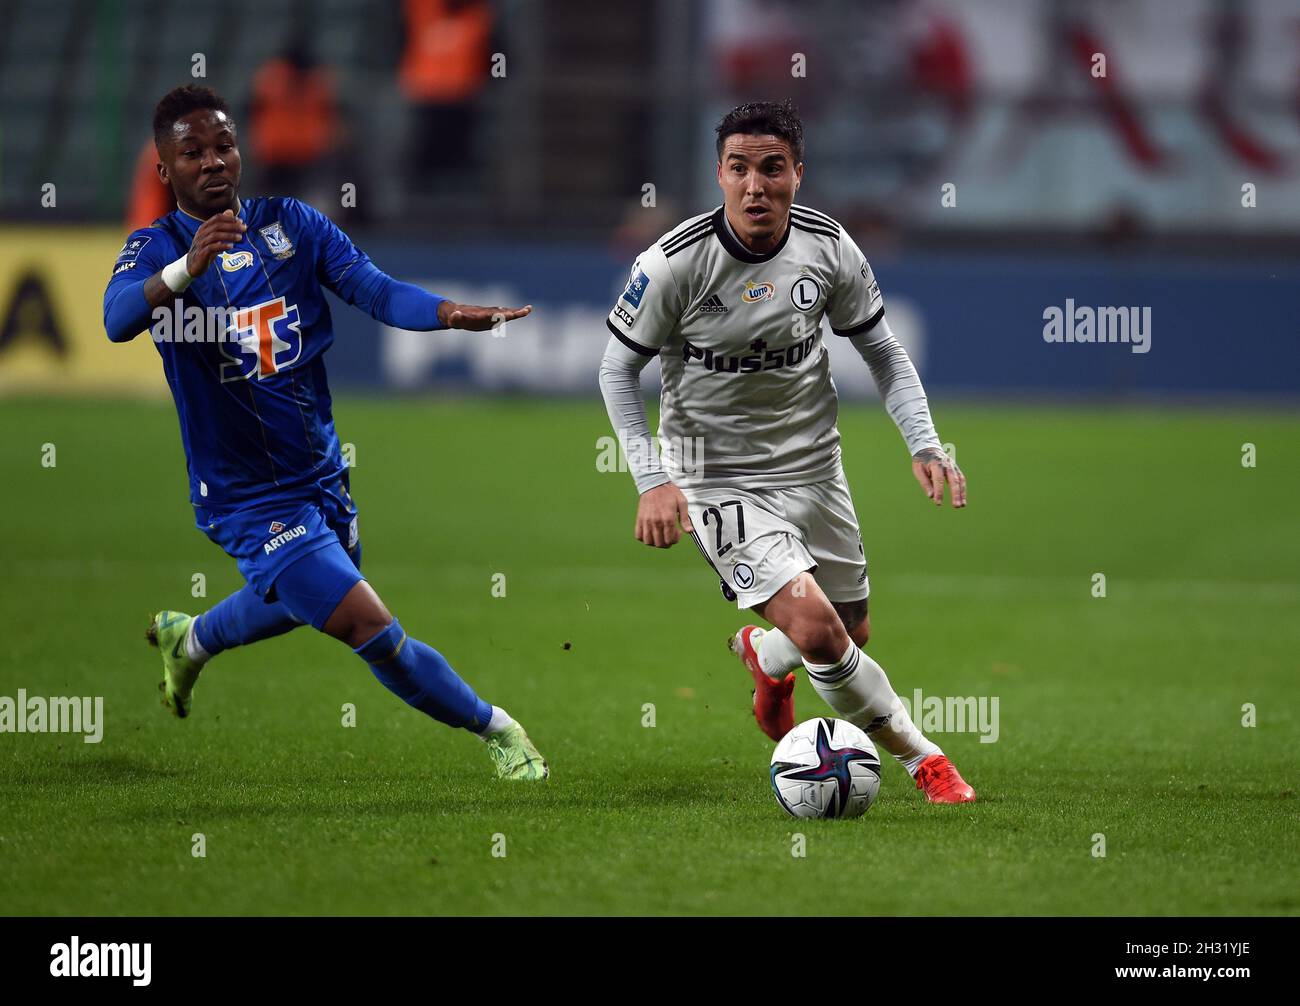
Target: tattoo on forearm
(156,292)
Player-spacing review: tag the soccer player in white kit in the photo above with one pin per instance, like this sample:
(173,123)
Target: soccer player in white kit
(731,302)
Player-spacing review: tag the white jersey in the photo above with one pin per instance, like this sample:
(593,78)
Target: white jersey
(747,393)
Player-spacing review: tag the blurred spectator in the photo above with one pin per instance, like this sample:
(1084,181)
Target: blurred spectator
(294,118)
(444,66)
(150,198)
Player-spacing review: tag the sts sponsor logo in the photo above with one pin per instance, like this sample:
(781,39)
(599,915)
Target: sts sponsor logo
(262,340)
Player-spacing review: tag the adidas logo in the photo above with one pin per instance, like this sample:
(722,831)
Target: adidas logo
(714,305)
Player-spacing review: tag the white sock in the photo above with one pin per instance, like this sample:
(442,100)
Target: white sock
(499,721)
(777,656)
(193,648)
(856,687)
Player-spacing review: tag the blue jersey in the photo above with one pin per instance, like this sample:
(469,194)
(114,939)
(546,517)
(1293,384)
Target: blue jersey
(253,401)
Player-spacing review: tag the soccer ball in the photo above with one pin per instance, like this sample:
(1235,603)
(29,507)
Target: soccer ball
(825,768)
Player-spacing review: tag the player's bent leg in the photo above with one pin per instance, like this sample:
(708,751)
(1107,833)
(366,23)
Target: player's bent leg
(771,655)
(801,611)
(188,643)
(856,621)
(857,688)
(326,590)
(242,618)
(777,656)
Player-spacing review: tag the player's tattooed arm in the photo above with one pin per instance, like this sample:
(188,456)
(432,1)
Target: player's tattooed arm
(932,467)
(156,292)
(478,319)
(215,235)
(657,516)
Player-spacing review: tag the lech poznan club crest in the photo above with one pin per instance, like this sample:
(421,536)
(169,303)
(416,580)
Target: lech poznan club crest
(277,241)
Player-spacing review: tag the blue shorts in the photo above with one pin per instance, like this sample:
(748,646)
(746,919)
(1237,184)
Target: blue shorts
(265,537)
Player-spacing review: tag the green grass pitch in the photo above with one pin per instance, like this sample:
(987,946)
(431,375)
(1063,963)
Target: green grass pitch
(1119,716)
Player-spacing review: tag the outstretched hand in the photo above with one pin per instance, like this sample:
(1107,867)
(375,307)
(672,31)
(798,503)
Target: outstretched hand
(478,319)
(932,467)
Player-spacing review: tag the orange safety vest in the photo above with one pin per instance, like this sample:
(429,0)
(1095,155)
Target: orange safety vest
(293,113)
(150,197)
(445,59)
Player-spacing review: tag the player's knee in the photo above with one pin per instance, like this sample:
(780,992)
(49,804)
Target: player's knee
(363,630)
(359,617)
(821,638)
(857,623)
(862,631)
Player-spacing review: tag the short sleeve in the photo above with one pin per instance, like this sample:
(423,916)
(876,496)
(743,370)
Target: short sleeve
(649,308)
(855,305)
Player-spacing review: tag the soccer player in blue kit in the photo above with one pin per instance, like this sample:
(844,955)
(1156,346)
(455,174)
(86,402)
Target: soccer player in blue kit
(267,477)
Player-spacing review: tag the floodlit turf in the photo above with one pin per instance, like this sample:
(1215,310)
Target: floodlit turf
(1119,716)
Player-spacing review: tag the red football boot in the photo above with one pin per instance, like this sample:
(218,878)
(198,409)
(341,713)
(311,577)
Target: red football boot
(942,782)
(773,700)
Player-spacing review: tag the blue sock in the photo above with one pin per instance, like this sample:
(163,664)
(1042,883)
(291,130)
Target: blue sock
(241,618)
(421,677)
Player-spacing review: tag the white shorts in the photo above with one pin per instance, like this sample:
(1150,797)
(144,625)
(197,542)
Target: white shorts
(758,540)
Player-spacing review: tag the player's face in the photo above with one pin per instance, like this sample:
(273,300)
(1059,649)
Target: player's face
(200,160)
(759,179)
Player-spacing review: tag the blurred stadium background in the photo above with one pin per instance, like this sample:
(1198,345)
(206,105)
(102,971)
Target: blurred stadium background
(1171,182)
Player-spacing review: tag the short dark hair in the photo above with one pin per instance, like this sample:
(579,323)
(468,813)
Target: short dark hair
(764,118)
(180,102)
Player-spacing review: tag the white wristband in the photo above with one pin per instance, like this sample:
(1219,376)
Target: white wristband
(176,276)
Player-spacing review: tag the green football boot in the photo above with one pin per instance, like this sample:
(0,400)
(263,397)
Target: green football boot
(167,632)
(516,756)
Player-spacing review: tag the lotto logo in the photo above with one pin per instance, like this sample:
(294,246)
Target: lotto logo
(262,341)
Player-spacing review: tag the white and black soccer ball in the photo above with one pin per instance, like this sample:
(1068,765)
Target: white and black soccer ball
(825,768)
